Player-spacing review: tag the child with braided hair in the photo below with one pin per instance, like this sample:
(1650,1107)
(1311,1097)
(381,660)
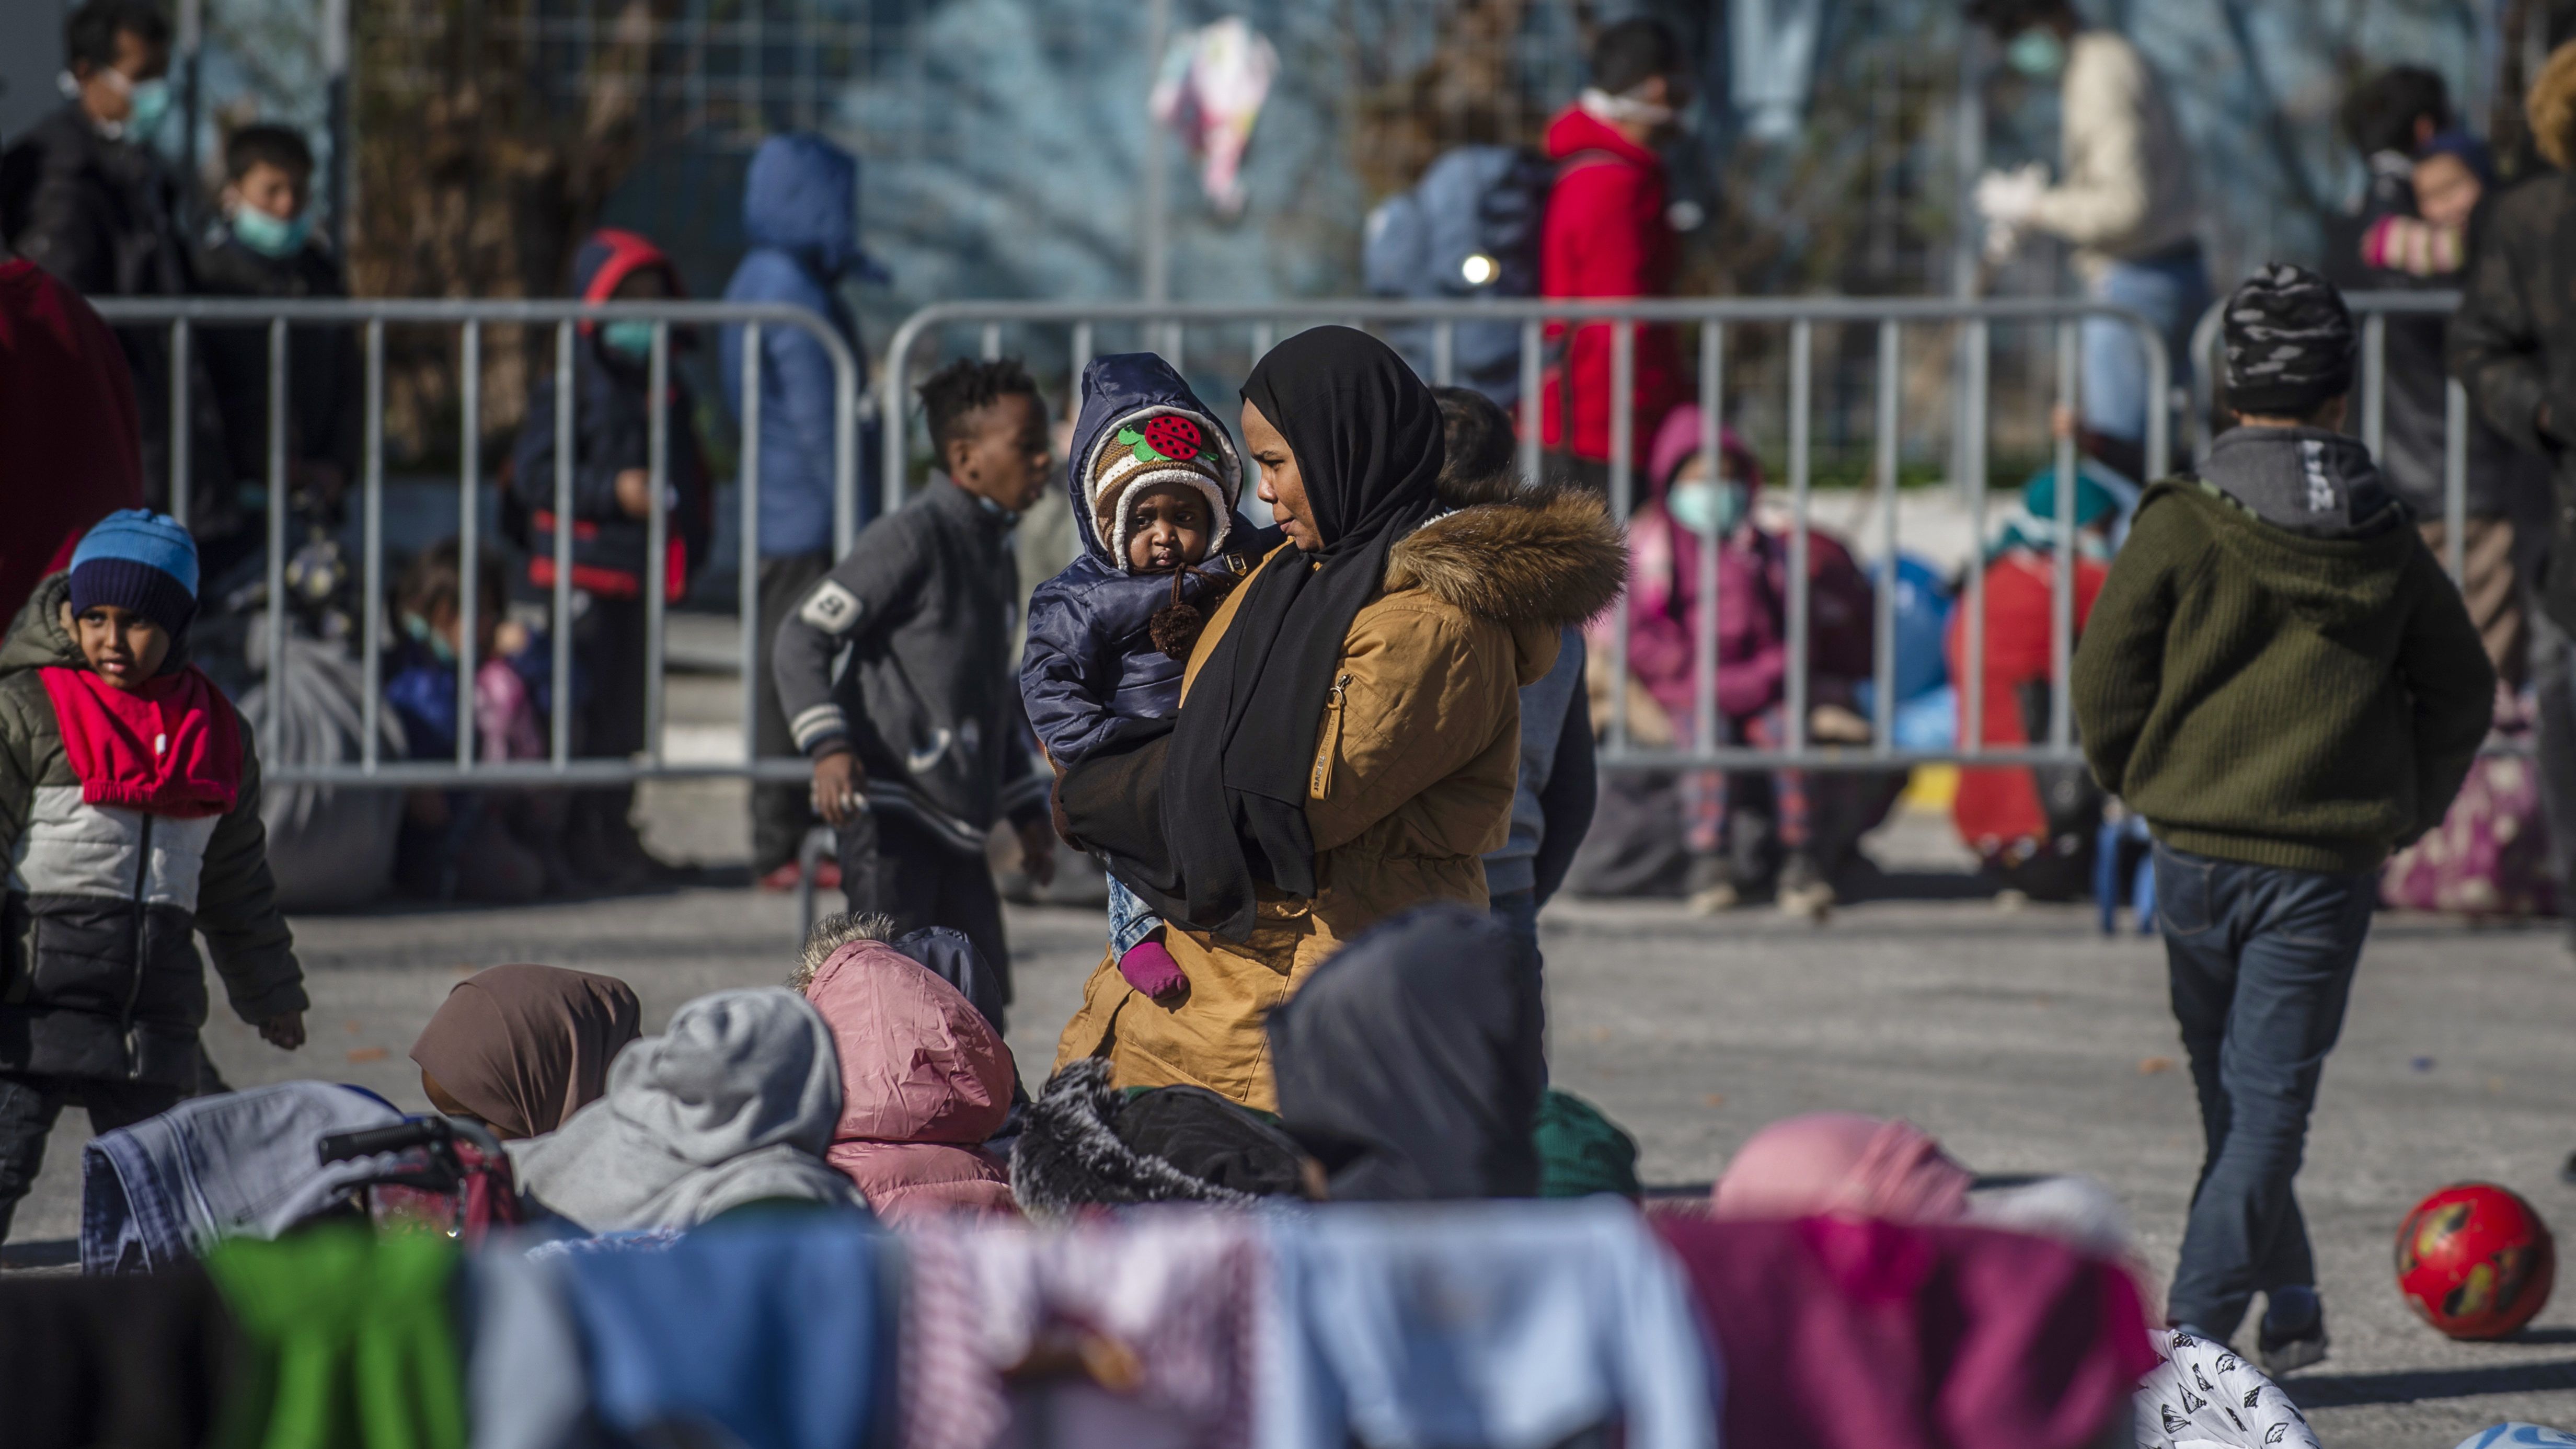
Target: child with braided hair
(1154,479)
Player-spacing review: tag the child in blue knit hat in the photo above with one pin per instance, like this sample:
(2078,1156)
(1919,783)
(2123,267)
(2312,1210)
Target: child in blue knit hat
(129,815)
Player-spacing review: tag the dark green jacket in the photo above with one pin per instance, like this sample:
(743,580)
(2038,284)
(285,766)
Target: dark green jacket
(99,974)
(2282,700)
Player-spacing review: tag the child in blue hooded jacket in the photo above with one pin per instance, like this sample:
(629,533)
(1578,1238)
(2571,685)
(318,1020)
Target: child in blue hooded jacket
(1154,478)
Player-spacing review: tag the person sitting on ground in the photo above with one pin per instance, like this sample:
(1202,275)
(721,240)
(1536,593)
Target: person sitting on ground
(920,744)
(925,1079)
(1089,1145)
(1349,731)
(612,507)
(1410,1064)
(735,1104)
(129,813)
(1873,1167)
(1552,803)
(490,846)
(2278,677)
(265,247)
(1744,831)
(1154,480)
(520,1049)
(2033,828)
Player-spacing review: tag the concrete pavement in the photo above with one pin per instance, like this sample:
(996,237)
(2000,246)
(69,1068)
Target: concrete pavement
(2028,1042)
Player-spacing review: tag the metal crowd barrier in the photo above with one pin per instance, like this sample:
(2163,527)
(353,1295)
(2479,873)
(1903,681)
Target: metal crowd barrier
(2373,309)
(1262,324)
(181,315)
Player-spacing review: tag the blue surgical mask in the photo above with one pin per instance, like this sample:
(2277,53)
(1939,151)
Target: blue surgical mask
(151,102)
(628,337)
(2036,52)
(420,632)
(1705,507)
(268,235)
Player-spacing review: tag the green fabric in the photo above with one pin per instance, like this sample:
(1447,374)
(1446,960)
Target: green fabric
(2266,697)
(354,1339)
(1581,1151)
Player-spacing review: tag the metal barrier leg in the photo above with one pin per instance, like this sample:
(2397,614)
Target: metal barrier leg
(809,858)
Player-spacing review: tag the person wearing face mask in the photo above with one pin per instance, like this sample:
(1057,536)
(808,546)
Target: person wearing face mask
(2124,198)
(83,196)
(612,504)
(800,212)
(263,246)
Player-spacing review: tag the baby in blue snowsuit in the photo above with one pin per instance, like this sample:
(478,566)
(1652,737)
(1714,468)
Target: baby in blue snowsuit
(1154,478)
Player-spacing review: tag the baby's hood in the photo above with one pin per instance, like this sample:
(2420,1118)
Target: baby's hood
(918,1062)
(1125,389)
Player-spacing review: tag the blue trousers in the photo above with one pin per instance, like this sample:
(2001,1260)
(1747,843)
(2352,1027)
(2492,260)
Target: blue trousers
(2171,293)
(2261,962)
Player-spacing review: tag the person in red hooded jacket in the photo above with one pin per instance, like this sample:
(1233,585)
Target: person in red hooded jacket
(70,449)
(1607,236)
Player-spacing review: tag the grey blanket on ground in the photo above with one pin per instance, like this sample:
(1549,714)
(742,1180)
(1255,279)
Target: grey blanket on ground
(734,1104)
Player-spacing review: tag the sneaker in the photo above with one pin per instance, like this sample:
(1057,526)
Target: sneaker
(2567,1171)
(827,876)
(1803,892)
(2293,1332)
(1716,899)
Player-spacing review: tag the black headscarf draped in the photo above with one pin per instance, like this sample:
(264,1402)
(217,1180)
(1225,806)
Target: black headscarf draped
(1227,791)
(1410,1063)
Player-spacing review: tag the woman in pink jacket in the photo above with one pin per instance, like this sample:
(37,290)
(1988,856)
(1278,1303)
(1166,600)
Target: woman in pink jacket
(925,1082)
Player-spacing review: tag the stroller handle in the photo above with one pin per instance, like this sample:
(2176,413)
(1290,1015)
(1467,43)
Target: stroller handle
(369,1141)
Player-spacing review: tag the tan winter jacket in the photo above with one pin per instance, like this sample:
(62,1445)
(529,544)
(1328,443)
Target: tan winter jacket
(1412,781)
(2125,191)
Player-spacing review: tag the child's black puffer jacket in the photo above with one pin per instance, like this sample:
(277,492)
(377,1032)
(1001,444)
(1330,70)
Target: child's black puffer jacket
(99,977)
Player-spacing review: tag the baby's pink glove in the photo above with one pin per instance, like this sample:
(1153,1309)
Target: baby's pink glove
(1150,969)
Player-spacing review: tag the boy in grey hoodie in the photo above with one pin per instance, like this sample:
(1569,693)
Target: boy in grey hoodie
(920,744)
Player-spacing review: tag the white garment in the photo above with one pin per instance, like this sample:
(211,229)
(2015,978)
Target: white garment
(2204,1397)
(2125,189)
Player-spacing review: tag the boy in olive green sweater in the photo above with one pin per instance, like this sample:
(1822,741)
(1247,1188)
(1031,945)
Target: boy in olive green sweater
(2280,678)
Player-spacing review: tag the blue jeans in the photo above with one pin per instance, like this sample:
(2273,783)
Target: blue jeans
(1130,920)
(2261,961)
(2171,292)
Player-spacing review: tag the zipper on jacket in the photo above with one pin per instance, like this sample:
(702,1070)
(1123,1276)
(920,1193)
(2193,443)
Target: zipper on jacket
(1319,782)
(134,988)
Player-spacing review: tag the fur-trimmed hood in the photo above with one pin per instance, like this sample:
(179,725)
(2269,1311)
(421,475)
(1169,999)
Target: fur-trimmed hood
(1546,556)
(1072,1154)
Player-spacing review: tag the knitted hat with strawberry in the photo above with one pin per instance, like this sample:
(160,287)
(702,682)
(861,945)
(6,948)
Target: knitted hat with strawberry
(1161,445)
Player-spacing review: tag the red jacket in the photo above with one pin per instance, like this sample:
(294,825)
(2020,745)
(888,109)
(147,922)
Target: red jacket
(70,440)
(1998,807)
(1606,236)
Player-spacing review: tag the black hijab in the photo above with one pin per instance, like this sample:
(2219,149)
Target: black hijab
(1193,822)
(1410,1063)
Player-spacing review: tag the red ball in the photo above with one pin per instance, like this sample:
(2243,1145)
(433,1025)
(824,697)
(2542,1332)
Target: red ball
(2475,1261)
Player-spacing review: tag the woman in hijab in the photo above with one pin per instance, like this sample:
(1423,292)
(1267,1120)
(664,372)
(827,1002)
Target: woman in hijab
(522,1048)
(1348,740)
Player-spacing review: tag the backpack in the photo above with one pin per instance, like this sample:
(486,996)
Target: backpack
(1472,203)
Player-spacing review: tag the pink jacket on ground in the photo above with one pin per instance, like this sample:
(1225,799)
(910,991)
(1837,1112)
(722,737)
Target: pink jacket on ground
(925,1081)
